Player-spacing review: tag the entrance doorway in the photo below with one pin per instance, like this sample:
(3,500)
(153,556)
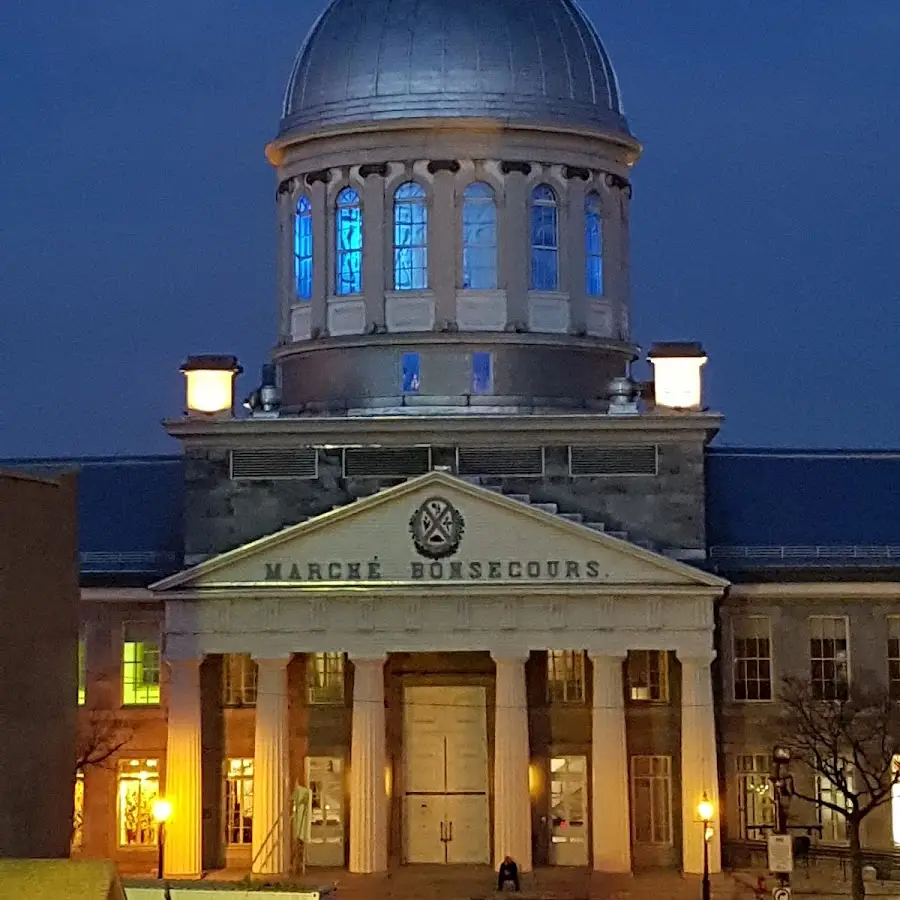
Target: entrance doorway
(568,811)
(446,815)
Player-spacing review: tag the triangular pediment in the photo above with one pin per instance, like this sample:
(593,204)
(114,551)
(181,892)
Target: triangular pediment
(438,529)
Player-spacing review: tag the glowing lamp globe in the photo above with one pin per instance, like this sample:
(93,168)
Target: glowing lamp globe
(210,384)
(705,810)
(162,810)
(676,374)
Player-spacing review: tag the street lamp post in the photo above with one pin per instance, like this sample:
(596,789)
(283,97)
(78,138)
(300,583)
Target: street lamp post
(162,809)
(705,811)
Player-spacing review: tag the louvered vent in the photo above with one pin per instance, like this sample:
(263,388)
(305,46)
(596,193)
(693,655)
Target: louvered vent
(635,460)
(386,462)
(501,461)
(270,463)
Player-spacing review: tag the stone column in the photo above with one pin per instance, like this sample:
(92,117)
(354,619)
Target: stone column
(271,815)
(442,253)
(699,772)
(515,247)
(375,229)
(183,855)
(577,257)
(321,256)
(512,801)
(610,819)
(368,794)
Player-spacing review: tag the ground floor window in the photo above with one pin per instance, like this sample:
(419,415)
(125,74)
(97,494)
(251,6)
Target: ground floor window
(239,801)
(755,806)
(895,801)
(325,779)
(138,787)
(78,815)
(834,825)
(568,811)
(651,800)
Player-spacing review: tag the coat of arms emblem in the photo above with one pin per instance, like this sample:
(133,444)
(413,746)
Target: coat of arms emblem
(437,528)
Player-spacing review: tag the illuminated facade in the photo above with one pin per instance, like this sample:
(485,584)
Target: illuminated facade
(464,580)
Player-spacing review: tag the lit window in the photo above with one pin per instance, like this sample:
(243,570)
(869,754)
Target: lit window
(565,676)
(479,238)
(651,800)
(829,671)
(303,249)
(349,243)
(239,801)
(82,671)
(138,787)
(410,376)
(482,374)
(752,658)
(239,679)
(78,814)
(648,675)
(895,800)
(834,825)
(544,239)
(410,238)
(325,781)
(894,656)
(593,246)
(755,806)
(325,677)
(140,666)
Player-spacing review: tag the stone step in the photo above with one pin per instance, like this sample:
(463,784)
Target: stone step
(521,498)
(596,526)
(551,508)
(621,535)
(647,545)
(578,518)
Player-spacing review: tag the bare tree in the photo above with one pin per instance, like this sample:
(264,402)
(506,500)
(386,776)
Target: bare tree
(100,736)
(851,741)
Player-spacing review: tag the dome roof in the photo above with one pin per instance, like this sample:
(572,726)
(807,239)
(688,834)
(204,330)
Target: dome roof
(519,61)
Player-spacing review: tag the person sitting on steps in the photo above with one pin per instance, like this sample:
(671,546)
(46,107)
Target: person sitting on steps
(508,871)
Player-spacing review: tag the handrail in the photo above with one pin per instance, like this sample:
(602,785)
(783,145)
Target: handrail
(285,814)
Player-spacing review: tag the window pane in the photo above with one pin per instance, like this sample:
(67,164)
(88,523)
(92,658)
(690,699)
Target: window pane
(349,242)
(410,238)
(828,657)
(82,671)
(544,239)
(752,663)
(565,676)
(239,801)
(410,379)
(593,246)
(303,249)
(651,792)
(239,679)
(479,238)
(138,787)
(140,668)
(482,376)
(325,678)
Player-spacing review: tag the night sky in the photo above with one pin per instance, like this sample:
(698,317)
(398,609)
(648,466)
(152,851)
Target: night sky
(137,207)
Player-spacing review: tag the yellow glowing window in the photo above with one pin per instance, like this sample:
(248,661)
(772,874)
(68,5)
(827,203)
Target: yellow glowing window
(239,801)
(78,816)
(140,668)
(137,788)
(82,672)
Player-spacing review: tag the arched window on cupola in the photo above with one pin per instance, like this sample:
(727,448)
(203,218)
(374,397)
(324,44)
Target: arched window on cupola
(303,249)
(348,240)
(544,239)
(479,238)
(410,237)
(593,246)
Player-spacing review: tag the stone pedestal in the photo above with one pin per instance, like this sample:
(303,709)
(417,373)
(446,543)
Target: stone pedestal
(368,793)
(512,802)
(271,813)
(699,773)
(183,854)
(611,823)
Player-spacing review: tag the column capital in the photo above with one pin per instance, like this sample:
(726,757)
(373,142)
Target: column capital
(600,655)
(272,662)
(184,663)
(701,658)
(361,659)
(511,657)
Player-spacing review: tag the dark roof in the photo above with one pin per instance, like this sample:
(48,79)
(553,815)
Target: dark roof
(129,511)
(801,508)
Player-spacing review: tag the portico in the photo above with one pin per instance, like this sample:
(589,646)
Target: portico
(443,595)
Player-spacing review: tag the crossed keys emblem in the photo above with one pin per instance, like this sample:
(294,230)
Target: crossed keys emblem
(437,528)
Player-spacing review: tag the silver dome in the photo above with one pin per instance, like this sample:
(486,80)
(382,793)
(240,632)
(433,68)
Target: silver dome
(519,61)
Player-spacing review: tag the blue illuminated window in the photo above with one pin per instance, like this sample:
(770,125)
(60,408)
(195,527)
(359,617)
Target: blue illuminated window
(348,242)
(410,378)
(410,238)
(593,246)
(303,249)
(479,238)
(544,239)
(482,373)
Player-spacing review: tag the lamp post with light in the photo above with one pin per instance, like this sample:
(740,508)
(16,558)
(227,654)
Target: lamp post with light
(162,810)
(705,811)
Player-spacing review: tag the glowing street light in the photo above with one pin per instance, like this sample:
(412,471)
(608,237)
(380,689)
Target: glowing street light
(162,811)
(706,811)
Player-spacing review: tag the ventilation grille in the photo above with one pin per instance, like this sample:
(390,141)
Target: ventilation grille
(634,460)
(386,462)
(259,464)
(500,461)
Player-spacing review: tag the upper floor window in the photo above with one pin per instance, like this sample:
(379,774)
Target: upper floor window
(348,240)
(479,238)
(544,239)
(893,648)
(648,675)
(325,677)
(828,657)
(565,676)
(482,372)
(239,679)
(752,658)
(140,665)
(410,372)
(82,671)
(303,249)
(593,246)
(410,237)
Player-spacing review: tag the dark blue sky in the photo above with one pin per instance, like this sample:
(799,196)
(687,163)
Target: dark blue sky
(137,207)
